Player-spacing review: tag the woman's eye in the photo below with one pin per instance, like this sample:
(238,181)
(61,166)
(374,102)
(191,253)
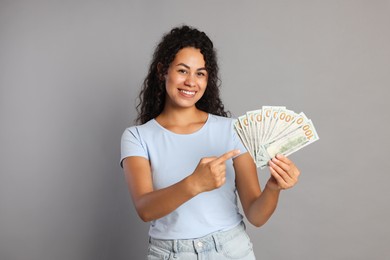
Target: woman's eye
(182,71)
(201,74)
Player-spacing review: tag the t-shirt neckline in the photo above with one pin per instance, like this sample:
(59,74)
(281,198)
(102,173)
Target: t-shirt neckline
(193,133)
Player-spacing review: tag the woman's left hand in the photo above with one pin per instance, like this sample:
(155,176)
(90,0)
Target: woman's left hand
(284,173)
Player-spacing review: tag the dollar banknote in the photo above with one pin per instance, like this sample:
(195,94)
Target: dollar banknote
(274,130)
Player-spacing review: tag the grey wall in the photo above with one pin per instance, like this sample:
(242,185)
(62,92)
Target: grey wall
(69,75)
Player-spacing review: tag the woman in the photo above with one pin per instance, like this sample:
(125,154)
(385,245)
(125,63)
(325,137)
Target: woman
(184,164)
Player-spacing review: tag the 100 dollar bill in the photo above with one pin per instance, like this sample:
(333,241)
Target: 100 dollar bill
(289,143)
(274,130)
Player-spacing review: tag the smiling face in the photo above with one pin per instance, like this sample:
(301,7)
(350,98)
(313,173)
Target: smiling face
(186,79)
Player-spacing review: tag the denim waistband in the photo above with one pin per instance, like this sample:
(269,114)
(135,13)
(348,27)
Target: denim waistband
(208,242)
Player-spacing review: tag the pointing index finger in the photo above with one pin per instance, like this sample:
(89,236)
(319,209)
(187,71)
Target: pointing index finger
(227,156)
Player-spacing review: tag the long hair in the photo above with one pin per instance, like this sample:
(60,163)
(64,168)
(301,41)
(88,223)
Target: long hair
(153,93)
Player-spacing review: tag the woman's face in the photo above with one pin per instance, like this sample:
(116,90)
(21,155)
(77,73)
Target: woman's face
(186,78)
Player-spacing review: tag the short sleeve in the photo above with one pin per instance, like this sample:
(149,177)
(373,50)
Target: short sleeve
(132,144)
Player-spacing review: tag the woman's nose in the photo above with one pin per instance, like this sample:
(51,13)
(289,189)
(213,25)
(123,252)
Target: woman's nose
(190,80)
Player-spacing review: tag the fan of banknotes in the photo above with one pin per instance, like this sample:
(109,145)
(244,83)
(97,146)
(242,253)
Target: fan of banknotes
(274,130)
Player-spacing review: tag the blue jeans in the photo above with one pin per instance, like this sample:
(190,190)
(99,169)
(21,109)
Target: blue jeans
(230,244)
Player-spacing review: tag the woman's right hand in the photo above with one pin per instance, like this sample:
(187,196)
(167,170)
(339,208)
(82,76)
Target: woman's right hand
(210,173)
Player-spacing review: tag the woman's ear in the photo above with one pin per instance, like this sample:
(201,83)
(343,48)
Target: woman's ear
(161,76)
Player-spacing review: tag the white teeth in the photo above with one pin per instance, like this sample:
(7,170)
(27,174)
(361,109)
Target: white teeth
(188,92)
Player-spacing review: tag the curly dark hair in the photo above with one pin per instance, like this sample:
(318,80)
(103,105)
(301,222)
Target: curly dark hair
(152,96)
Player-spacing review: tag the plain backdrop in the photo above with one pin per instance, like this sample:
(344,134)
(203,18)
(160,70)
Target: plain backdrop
(70,72)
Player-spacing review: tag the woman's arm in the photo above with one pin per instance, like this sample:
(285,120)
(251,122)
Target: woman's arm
(259,205)
(153,204)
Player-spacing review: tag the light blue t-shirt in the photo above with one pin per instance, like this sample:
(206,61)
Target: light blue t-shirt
(175,156)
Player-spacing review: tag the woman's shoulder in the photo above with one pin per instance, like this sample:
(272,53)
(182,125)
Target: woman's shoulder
(221,121)
(145,128)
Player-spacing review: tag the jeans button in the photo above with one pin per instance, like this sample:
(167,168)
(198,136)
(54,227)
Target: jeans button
(200,244)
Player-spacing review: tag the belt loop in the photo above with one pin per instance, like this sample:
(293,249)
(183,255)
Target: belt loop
(216,243)
(175,248)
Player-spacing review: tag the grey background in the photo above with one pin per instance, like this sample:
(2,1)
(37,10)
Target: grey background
(69,75)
